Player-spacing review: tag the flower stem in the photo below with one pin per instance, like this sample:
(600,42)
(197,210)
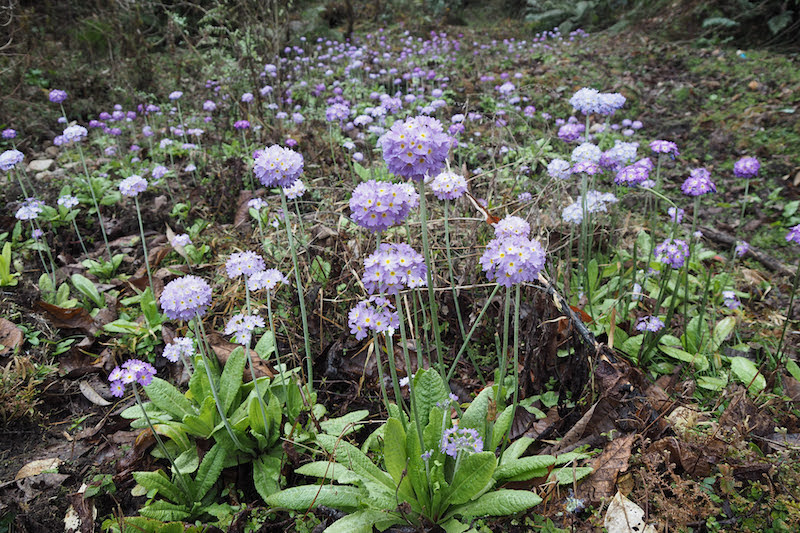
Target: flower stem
(144,244)
(434,309)
(450,267)
(788,315)
(469,336)
(94,201)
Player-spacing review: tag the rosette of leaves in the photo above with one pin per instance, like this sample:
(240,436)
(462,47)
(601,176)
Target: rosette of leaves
(188,419)
(416,489)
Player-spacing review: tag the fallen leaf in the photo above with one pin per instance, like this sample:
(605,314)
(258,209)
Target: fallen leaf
(624,516)
(607,466)
(11,337)
(92,395)
(34,468)
(75,318)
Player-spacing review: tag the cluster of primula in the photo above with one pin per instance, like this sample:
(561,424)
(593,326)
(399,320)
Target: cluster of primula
(185,298)
(379,205)
(698,183)
(672,252)
(448,185)
(511,257)
(180,347)
(375,314)
(278,167)
(132,186)
(591,101)
(242,327)
(746,167)
(458,440)
(394,267)
(652,324)
(416,147)
(131,370)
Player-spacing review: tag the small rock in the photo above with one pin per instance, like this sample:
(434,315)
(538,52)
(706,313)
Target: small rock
(52,151)
(40,165)
(70,166)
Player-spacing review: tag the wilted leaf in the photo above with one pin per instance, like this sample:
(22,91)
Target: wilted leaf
(614,459)
(92,395)
(34,468)
(75,318)
(11,337)
(624,516)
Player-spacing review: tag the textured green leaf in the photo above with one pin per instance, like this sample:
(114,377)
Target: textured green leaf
(747,373)
(416,467)
(474,472)
(498,503)
(265,346)
(266,475)
(524,468)
(477,413)
(231,380)
(515,450)
(364,521)
(309,496)
(88,289)
(722,331)
(429,389)
(168,398)
(354,459)
(328,470)
(344,425)
(699,361)
(164,511)
(209,471)
(793,369)
(158,481)
(568,475)
(501,427)
(394,449)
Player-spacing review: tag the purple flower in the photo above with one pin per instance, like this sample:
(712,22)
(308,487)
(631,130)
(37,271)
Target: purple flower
(278,166)
(416,147)
(794,234)
(181,346)
(185,298)
(295,190)
(525,197)
(181,240)
(558,168)
(57,96)
(589,167)
(573,213)
(244,263)
(242,327)
(586,100)
(676,214)
(512,226)
(132,370)
(730,300)
(30,209)
(159,171)
(247,98)
(632,176)
(10,158)
(698,183)
(457,440)
(512,259)
(586,152)
(375,314)
(448,185)
(672,252)
(241,124)
(257,203)
(664,147)
(742,247)
(266,279)
(67,201)
(337,113)
(175,95)
(379,205)
(132,185)
(9,133)
(571,131)
(37,234)
(209,106)
(649,323)
(393,268)
(75,133)
(746,167)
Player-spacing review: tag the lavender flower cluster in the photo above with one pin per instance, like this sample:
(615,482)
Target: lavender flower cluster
(672,252)
(448,185)
(375,314)
(181,346)
(278,166)
(591,101)
(393,268)
(242,327)
(511,257)
(416,147)
(460,440)
(131,370)
(379,205)
(185,298)
(746,167)
(698,183)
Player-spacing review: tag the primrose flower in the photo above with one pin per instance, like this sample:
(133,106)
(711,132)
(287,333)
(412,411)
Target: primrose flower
(571,131)
(180,346)
(512,259)
(698,183)
(337,113)
(181,239)
(632,176)
(512,226)
(393,268)
(649,323)
(278,166)
(676,214)
(266,279)
(175,95)
(132,185)
(588,167)
(746,167)
(794,234)
(247,97)
(672,252)
(242,327)
(558,168)
(9,133)
(10,158)
(159,171)
(730,300)
(586,100)
(257,203)
(67,201)
(573,214)
(295,190)
(742,247)
(448,186)
(525,197)
(30,209)
(57,96)
(586,152)
(185,298)
(244,263)
(664,147)
(375,314)
(241,124)
(209,106)
(416,147)
(75,133)
(132,370)
(379,205)
(457,440)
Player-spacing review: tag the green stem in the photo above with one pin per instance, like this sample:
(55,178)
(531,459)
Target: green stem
(501,375)
(407,359)
(275,340)
(469,336)
(434,309)
(788,315)
(144,244)
(450,267)
(94,201)
(250,363)
(80,239)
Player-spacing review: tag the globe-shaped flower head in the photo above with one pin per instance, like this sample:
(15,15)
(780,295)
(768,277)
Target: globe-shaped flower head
(185,298)
(132,186)
(278,166)
(698,183)
(794,234)
(266,279)
(632,175)
(57,96)
(512,226)
(393,268)
(379,205)
(672,252)
(415,147)
(746,167)
(664,147)
(244,263)
(513,259)
(10,158)
(75,133)
(449,186)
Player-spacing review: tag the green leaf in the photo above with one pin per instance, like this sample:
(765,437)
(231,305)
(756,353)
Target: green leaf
(174,431)
(354,459)
(722,331)
(454,526)
(515,450)
(265,346)
(202,424)
(267,475)
(363,521)
(568,475)
(779,22)
(320,270)
(713,383)
(473,474)
(231,380)
(168,398)
(593,273)
(416,467)
(309,496)
(793,369)
(88,289)
(164,511)
(209,471)
(476,415)
(501,427)
(699,361)
(256,416)
(188,461)
(328,470)
(747,373)
(344,425)
(429,389)
(498,503)
(525,468)
(394,449)
(158,481)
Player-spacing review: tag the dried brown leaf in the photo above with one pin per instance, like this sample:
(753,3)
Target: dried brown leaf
(11,337)
(602,483)
(74,318)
